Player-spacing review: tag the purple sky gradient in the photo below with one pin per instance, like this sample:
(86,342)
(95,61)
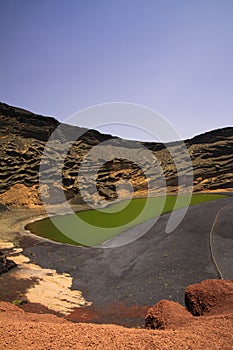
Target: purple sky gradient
(175,56)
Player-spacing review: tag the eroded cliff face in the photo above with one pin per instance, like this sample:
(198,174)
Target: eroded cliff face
(23,136)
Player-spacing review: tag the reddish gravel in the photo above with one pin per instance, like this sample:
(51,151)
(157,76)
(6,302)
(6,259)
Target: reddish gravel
(167,314)
(21,330)
(212,297)
(117,313)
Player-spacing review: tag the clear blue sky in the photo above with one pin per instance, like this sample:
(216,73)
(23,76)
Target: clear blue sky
(176,56)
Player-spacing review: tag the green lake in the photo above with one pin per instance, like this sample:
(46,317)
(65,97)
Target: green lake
(95,227)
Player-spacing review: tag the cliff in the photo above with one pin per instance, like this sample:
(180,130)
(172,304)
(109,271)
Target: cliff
(23,136)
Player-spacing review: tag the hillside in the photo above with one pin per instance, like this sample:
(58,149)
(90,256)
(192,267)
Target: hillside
(137,275)
(24,134)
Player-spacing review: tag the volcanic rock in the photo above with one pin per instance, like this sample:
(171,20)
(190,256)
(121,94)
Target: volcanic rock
(23,136)
(5,264)
(209,297)
(22,330)
(166,314)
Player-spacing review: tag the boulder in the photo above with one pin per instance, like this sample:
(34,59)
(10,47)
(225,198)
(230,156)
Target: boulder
(209,297)
(166,314)
(5,264)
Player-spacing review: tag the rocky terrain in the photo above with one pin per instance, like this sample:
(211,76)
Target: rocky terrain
(169,326)
(136,275)
(23,136)
(5,264)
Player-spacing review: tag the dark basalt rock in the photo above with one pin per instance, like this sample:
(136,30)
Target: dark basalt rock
(5,264)
(3,207)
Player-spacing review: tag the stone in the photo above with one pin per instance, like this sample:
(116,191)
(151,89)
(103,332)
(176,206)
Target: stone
(166,314)
(209,297)
(5,264)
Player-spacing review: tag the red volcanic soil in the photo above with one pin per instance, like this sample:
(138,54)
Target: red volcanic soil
(117,313)
(211,297)
(178,328)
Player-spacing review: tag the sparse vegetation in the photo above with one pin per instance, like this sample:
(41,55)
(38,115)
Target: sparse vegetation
(18,302)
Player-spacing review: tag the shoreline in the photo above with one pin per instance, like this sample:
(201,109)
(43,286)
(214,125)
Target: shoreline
(11,224)
(14,239)
(36,278)
(62,210)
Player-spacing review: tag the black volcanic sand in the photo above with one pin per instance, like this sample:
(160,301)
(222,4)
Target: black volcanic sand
(122,282)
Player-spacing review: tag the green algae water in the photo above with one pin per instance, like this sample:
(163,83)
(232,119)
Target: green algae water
(95,227)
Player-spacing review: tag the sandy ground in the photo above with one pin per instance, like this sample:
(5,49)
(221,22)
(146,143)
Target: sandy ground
(60,298)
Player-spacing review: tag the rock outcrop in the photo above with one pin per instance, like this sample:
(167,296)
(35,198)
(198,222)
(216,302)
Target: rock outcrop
(5,264)
(23,330)
(209,297)
(166,314)
(23,136)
